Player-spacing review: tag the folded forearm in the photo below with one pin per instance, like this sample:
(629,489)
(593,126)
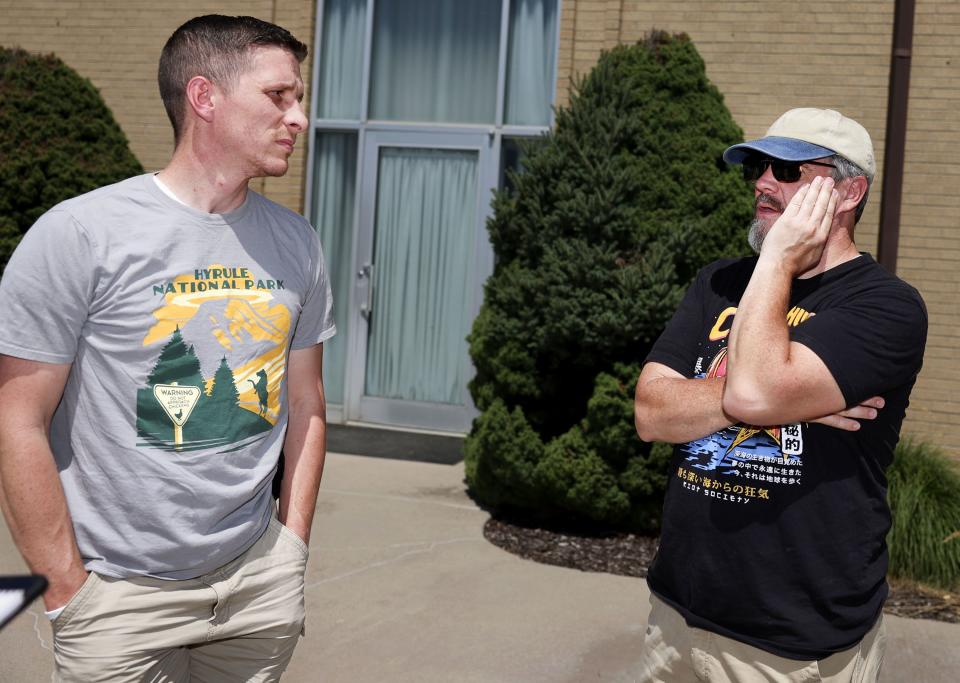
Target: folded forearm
(677,410)
(758,350)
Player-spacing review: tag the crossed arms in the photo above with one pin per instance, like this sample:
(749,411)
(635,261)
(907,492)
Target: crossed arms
(770,380)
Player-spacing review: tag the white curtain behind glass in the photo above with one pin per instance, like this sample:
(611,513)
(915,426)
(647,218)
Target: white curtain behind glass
(435,60)
(425,230)
(333,201)
(531,62)
(341,59)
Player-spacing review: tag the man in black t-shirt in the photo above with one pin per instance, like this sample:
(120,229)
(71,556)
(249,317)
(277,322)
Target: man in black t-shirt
(783,379)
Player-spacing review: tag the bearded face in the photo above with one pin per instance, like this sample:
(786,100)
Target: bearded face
(763,220)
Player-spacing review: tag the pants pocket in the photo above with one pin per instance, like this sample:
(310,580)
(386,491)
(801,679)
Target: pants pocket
(290,537)
(77,602)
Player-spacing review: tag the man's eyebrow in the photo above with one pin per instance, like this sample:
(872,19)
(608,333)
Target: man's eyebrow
(280,85)
(296,86)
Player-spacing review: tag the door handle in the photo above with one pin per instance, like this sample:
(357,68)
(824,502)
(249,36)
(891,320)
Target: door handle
(366,308)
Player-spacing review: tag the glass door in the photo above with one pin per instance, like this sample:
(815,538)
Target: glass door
(422,255)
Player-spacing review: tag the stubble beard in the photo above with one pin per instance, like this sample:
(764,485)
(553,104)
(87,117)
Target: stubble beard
(758,230)
(758,226)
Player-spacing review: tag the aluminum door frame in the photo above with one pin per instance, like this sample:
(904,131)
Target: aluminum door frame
(359,408)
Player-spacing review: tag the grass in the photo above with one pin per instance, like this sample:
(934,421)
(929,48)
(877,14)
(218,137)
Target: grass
(924,495)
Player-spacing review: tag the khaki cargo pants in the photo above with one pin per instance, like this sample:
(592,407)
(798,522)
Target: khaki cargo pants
(238,623)
(674,651)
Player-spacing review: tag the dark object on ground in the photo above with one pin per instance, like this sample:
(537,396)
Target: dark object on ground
(614,212)
(386,443)
(631,554)
(17,592)
(618,553)
(395,445)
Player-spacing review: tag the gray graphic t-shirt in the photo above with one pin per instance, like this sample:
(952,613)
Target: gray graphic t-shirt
(178,324)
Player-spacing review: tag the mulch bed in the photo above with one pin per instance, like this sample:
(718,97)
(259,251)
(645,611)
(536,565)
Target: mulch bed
(630,555)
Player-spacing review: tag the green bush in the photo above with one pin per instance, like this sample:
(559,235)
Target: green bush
(924,496)
(595,243)
(57,140)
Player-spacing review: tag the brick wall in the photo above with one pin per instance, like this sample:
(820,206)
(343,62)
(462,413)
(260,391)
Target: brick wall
(764,57)
(117,46)
(929,252)
(769,57)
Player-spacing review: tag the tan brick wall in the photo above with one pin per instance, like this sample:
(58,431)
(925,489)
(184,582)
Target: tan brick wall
(117,46)
(929,252)
(764,57)
(769,57)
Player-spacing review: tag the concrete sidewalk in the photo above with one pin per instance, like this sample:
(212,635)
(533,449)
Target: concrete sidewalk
(402,586)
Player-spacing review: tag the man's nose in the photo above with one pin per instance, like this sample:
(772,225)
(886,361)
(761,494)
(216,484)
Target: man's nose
(766,183)
(296,118)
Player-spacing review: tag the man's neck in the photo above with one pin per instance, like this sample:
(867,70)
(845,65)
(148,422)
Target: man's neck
(203,184)
(839,249)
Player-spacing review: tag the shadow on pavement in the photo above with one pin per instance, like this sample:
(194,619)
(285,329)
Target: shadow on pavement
(395,445)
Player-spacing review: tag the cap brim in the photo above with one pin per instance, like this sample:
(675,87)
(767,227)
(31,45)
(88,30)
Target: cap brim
(788,149)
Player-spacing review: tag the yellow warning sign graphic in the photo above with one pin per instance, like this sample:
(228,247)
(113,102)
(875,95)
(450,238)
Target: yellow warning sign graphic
(177,402)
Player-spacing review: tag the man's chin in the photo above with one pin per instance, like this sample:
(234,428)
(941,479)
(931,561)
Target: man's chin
(275,169)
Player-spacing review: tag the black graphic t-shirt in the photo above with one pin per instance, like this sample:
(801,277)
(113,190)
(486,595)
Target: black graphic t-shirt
(775,535)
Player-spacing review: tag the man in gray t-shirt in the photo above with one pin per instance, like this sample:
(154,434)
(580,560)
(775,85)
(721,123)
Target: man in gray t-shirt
(160,344)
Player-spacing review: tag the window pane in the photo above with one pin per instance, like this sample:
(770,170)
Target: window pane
(510,156)
(333,202)
(426,228)
(513,153)
(341,59)
(531,62)
(435,60)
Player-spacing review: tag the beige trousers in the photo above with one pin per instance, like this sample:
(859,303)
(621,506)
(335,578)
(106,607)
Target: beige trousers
(676,652)
(238,623)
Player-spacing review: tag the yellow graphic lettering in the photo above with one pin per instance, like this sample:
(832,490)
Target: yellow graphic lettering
(797,316)
(719,331)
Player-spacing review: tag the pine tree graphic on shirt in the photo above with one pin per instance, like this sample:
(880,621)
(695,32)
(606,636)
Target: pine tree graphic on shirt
(238,332)
(217,419)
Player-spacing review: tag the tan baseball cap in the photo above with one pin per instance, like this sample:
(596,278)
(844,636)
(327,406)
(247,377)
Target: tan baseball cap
(806,133)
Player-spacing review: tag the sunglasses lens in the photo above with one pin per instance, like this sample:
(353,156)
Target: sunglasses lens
(753,168)
(786,171)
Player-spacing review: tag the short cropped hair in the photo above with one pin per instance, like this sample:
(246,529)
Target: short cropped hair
(218,48)
(844,168)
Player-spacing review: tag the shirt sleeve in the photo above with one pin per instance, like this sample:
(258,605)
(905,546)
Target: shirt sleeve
(872,343)
(315,324)
(678,344)
(46,290)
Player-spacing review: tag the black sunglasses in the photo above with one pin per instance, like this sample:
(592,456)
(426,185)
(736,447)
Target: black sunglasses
(784,171)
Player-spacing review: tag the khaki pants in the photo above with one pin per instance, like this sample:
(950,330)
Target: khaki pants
(674,651)
(238,623)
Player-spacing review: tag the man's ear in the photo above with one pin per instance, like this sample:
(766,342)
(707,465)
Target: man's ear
(200,97)
(852,193)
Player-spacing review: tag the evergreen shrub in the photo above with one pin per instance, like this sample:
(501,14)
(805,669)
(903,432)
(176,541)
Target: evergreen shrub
(595,242)
(924,497)
(57,140)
